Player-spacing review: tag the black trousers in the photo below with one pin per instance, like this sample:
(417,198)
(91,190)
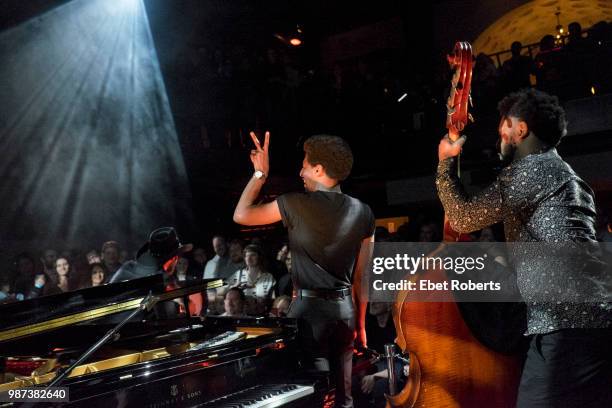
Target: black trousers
(569,368)
(326,329)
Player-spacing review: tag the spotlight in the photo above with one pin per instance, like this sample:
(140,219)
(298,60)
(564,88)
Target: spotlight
(293,41)
(292,38)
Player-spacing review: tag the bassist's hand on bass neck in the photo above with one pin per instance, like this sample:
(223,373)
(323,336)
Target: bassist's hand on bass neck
(447,148)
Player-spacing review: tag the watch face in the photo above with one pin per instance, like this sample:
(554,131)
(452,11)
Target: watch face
(259,174)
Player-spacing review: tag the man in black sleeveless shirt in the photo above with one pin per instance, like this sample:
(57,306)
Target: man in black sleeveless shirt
(329,236)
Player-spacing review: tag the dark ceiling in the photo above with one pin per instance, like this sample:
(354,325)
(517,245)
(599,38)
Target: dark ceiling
(247,28)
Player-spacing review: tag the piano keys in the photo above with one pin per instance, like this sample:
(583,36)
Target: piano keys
(262,396)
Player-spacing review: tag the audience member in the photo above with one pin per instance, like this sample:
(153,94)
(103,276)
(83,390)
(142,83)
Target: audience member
(220,265)
(517,69)
(485,79)
(381,234)
(379,325)
(486,91)
(5,291)
(288,263)
(49,257)
(25,274)
(110,256)
(575,41)
(278,266)
(233,303)
(579,61)
(282,253)
(182,271)
(181,275)
(41,286)
(236,254)
(217,267)
(61,278)
(99,274)
(199,260)
(93,257)
(256,283)
(429,232)
(280,306)
(549,65)
(284,285)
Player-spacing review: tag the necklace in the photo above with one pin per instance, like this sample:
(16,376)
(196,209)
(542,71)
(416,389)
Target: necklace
(252,282)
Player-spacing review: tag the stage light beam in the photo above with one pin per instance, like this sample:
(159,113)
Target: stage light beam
(90,147)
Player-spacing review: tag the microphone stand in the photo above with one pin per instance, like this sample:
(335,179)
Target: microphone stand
(389,355)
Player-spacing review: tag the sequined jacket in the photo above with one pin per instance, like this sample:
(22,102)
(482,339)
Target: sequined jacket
(538,198)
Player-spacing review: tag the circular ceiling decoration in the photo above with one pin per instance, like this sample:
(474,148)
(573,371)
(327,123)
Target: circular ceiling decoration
(532,21)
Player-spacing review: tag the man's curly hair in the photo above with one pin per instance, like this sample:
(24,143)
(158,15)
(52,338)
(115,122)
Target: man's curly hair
(541,111)
(331,152)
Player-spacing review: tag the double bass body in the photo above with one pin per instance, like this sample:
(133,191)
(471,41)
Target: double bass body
(449,367)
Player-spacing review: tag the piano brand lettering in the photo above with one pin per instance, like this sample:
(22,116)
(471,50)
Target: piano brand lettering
(176,397)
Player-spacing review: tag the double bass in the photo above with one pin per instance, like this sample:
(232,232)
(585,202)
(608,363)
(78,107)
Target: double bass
(449,366)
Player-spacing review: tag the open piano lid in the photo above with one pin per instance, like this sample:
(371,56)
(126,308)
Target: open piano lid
(34,316)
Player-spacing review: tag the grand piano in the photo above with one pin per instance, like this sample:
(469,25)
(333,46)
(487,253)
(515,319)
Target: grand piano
(157,359)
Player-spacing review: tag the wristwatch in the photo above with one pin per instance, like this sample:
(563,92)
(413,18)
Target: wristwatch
(259,174)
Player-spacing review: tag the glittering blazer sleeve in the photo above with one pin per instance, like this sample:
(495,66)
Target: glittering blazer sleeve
(467,213)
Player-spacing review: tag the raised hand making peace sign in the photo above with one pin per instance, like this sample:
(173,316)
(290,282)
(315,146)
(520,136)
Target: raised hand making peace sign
(259,155)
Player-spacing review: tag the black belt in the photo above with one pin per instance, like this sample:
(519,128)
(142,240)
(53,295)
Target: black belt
(322,293)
